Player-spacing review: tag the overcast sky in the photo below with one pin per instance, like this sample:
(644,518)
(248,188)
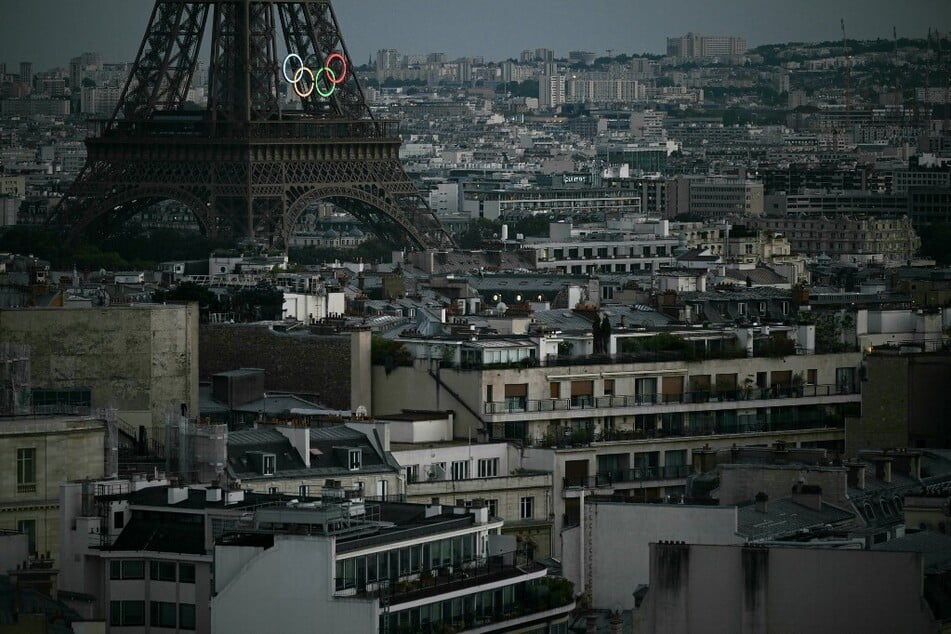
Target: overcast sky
(49,32)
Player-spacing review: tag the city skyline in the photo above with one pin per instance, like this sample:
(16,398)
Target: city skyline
(495,30)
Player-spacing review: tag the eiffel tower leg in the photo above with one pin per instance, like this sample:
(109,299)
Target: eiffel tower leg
(245,166)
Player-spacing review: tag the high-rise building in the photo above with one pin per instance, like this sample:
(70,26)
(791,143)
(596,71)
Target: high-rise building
(26,73)
(544,55)
(387,61)
(693,45)
(551,90)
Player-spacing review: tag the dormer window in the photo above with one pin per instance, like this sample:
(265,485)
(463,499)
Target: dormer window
(268,464)
(355,459)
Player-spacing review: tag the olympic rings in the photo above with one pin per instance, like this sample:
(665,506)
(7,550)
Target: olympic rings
(328,74)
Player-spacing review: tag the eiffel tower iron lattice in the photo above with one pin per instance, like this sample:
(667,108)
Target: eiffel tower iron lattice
(244,165)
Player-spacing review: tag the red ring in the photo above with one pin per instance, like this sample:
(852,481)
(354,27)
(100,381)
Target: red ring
(343,72)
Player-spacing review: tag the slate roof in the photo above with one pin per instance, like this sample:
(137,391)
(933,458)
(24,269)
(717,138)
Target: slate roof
(327,457)
(936,548)
(784,518)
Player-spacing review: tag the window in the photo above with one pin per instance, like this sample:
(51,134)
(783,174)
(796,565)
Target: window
(127,569)
(488,467)
(26,470)
(609,387)
(412,473)
(162,570)
(273,490)
(516,395)
(554,389)
(186,573)
(162,614)
(303,490)
(270,461)
(493,506)
(186,616)
(118,519)
(356,459)
(460,470)
(127,613)
(28,528)
(741,308)
(527,508)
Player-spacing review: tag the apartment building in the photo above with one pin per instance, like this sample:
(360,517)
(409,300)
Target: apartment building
(694,45)
(631,422)
(380,567)
(865,240)
(36,455)
(714,198)
(471,474)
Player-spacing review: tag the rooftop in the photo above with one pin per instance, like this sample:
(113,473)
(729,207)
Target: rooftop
(785,518)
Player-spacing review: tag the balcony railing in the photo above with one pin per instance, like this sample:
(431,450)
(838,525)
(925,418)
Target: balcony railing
(685,398)
(605,479)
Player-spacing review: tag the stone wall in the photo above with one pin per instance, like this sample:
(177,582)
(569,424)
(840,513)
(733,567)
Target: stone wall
(314,366)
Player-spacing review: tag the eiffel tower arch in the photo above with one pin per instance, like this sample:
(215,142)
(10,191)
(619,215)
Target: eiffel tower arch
(245,165)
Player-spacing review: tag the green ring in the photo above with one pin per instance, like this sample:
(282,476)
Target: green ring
(333,86)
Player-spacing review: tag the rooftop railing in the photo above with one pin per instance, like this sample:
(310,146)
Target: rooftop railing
(605,479)
(518,405)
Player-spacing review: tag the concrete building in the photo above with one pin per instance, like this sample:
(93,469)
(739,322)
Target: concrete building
(858,240)
(141,360)
(756,588)
(470,474)
(364,568)
(36,455)
(905,404)
(693,45)
(551,90)
(714,198)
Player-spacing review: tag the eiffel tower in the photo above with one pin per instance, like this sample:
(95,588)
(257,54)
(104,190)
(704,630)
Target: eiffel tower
(245,166)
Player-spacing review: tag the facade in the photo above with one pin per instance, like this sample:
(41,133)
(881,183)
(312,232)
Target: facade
(849,240)
(36,455)
(715,199)
(755,588)
(473,475)
(298,460)
(628,426)
(557,203)
(141,360)
(551,90)
(692,46)
(381,567)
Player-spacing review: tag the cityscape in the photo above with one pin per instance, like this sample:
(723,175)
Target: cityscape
(475,325)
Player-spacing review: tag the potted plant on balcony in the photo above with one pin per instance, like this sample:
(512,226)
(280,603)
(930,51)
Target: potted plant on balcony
(748,384)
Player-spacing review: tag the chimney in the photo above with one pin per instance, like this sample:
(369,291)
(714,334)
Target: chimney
(883,467)
(907,462)
(856,476)
(234,496)
(177,494)
(761,500)
(616,624)
(704,460)
(808,495)
(213,494)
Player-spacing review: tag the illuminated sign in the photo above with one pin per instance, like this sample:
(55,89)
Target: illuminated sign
(569,179)
(306,80)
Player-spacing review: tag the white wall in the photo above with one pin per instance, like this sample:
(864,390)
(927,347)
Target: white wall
(291,584)
(621,534)
(418,431)
(430,455)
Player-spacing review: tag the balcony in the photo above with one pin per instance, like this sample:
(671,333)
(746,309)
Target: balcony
(763,396)
(607,479)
